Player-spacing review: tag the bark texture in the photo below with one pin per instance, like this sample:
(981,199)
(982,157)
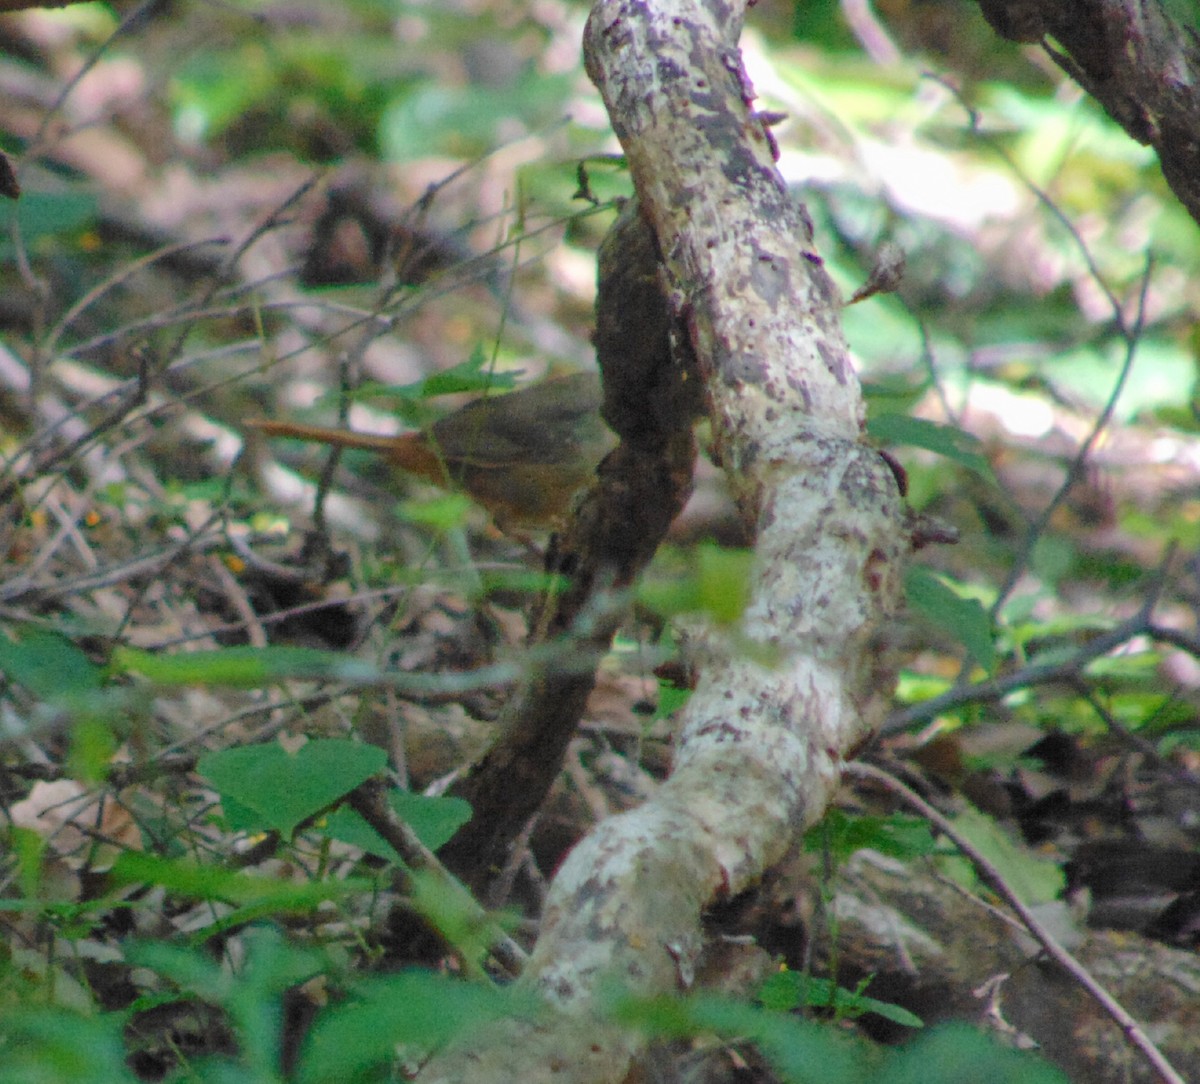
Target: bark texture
(782,702)
(1135,60)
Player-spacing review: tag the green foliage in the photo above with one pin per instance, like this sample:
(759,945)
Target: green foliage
(704,579)
(281,789)
(44,216)
(839,835)
(944,440)
(254,896)
(465,121)
(787,990)
(251,997)
(805,1053)
(433,819)
(48,664)
(240,667)
(43,1044)
(476,375)
(963,618)
(1034,879)
(414,1009)
(957,1054)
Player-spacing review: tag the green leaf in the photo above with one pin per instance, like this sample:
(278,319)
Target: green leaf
(48,664)
(43,1044)
(897,835)
(349,826)
(1034,880)
(45,214)
(189,879)
(434,820)
(670,699)
(441,513)
(475,375)
(801,1051)
(285,788)
(418,1008)
(945,440)
(240,667)
(787,990)
(706,579)
(963,618)
(958,1054)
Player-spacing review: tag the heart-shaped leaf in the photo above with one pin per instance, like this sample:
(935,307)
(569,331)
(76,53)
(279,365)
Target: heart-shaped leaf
(286,788)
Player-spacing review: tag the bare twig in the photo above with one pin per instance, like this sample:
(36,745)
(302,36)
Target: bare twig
(990,874)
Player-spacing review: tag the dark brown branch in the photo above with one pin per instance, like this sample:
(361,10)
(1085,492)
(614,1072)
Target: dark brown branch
(650,400)
(1135,60)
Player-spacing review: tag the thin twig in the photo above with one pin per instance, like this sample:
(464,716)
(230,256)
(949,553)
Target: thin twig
(1068,669)
(992,876)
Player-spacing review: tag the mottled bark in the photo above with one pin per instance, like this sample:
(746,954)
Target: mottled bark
(783,701)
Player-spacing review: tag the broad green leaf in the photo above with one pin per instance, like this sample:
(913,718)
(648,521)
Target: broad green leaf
(963,618)
(44,1044)
(1034,880)
(417,1008)
(45,214)
(287,788)
(944,440)
(434,820)
(897,835)
(350,826)
(48,664)
(958,1054)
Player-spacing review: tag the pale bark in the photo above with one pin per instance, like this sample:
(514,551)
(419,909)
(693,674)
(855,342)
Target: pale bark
(767,729)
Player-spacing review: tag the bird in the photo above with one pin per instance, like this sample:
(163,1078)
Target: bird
(523,456)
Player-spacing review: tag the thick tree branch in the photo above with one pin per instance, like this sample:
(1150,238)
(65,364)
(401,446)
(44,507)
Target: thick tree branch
(781,704)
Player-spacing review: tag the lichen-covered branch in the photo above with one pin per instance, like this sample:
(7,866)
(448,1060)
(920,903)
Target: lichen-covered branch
(1135,60)
(781,704)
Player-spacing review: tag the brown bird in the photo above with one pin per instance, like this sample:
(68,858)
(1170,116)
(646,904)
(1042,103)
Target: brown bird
(522,456)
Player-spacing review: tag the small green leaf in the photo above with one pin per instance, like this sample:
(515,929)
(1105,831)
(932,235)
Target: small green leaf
(945,440)
(670,699)
(958,1054)
(896,835)
(240,667)
(788,990)
(286,789)
(441,513)
(349,826)
(963,618)
(45,214)
(433,820)
(48,664)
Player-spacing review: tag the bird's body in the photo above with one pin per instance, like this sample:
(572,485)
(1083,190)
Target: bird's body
(522,456)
